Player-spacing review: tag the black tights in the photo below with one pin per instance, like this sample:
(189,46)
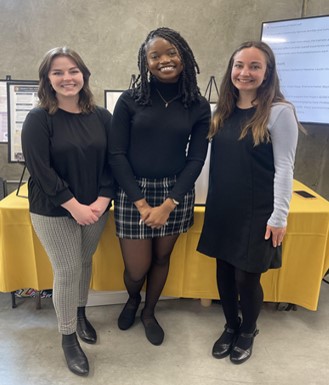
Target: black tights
(147,259)
(234,283)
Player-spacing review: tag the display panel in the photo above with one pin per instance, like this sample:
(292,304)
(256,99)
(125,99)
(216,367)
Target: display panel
(110,99)
(22,97)
(3,112)
(301,48)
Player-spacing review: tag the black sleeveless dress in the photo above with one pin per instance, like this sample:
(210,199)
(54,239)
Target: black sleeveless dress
(240,199)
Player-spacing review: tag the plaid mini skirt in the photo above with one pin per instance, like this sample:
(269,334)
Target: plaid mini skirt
(155,191)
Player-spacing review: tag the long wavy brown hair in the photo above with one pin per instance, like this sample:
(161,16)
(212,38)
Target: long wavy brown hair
(47,95)
(268,93)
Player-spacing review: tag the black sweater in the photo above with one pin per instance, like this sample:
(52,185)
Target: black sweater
(151,141)
(66,155)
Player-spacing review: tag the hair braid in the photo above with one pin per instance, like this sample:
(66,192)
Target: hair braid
(189,88)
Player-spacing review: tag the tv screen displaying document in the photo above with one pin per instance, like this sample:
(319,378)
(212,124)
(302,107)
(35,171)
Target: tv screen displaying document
(301,48)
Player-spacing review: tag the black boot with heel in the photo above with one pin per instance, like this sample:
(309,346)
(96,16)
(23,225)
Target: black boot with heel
(76,359)
(85,329)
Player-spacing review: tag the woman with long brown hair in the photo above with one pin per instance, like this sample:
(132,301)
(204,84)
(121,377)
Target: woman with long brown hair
(254,134)
(70,187)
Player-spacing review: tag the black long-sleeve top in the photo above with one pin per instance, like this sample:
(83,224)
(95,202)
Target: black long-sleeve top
(155,141)
(66,155)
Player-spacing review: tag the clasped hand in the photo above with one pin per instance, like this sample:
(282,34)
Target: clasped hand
(155,217)
(87,214)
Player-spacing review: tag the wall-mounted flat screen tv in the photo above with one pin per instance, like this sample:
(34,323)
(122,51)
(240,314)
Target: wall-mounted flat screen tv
(301,48)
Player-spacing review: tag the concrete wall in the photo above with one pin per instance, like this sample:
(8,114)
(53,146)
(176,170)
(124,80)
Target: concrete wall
(108,33)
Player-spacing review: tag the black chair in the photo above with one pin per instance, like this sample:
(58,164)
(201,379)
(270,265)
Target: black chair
(3,188)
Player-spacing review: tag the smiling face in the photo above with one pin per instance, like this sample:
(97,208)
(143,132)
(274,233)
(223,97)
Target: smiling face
(248,70)
(163,60)
(65,78)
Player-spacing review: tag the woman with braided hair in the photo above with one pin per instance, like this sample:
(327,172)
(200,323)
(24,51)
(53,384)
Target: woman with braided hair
(158,144)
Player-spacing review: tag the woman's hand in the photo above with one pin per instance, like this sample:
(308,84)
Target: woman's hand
(100,205)
(159,215)
(83,214)
(144,209)
(277,234)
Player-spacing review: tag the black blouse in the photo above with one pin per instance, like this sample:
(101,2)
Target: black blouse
(66,155)
(157,141)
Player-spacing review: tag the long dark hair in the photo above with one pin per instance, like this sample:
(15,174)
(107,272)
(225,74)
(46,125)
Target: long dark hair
(46,94)
(268,93)
(188,82)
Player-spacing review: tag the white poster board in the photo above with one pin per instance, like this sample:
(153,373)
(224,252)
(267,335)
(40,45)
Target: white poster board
(22,97)
(110,99)
(3,112)
(201,184)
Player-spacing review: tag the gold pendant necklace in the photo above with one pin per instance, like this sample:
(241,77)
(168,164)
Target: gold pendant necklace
(166,102)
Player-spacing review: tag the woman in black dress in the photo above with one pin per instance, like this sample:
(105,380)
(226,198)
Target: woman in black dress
(254,136)
(152,126)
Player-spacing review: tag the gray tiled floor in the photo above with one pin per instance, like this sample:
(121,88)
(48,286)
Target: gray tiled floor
(292,347)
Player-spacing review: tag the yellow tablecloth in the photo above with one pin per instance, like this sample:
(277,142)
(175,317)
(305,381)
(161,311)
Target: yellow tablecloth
(24,263)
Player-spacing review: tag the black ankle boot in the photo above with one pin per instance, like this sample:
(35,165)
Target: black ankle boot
(76,360)
(223,346)
(85,329)
(127,316)
(242,349)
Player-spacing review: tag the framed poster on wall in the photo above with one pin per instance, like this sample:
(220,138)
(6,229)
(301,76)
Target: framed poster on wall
(3,112)
(22,96)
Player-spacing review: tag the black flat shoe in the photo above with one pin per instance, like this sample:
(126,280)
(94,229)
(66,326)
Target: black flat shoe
(239,355)
(153,331)
(223,346)
(85,329)
(76,359)
(127,316)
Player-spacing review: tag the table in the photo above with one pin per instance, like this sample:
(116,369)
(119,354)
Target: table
(24,263)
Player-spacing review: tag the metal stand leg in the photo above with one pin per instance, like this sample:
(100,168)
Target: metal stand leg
(13,300)
(38,299)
